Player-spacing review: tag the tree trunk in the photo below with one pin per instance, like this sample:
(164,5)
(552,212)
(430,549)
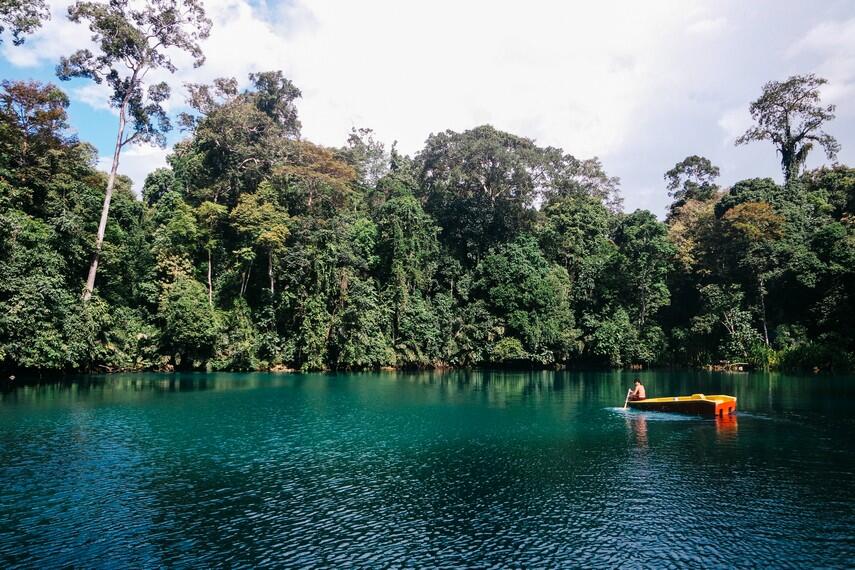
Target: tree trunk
(763,312)
(643,315)
(105,210)
(245,279)
(210,284)
(788,151)
(789,165)
(270,270)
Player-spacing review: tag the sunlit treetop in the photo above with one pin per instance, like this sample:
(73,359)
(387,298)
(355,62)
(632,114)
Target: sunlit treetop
(789,114)
(132,42)
(22,17)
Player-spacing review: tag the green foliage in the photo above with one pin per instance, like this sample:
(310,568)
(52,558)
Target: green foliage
(190,327)
(418,340)
(481,185)
(641,264)
(132,40)
(33,294)
(257,249)
(833,189)
(576,234)
(315,324)
(359,339)
(817,356)
(508,350)
(406,244)
(131,341)
(174,239)
(751,190)
(239,138)
(237,344)
(614,338)
(530,298)
(408,253)
(779,259)
(723,318)
(158,183)
(469,331)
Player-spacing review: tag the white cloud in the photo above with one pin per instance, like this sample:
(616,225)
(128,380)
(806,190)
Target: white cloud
(639,84)
(545,70)
(411,69)
(734,122)
(136,162)
(836,36)
(96,95)
(56,38)
(707,26)
(834,44)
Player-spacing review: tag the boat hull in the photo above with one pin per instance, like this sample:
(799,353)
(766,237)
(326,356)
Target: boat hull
(696,404)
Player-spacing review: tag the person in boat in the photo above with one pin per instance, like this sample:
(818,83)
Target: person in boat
(637,392)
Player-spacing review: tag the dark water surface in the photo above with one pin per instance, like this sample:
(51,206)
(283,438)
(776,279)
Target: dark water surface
(468,469)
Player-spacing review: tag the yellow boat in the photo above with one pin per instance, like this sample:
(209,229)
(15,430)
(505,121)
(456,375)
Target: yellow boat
(698,404)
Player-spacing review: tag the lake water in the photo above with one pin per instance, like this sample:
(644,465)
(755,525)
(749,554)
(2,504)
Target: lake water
(475,469)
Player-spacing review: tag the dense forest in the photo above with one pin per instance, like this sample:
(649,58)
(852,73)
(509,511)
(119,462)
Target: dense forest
(258,249)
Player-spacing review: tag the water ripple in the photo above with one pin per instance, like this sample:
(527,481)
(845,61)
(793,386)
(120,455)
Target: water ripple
(368,472)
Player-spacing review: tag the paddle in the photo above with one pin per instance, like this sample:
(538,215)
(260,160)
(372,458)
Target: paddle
(625,402)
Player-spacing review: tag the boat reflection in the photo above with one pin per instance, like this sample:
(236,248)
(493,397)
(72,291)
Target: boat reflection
(726,427)
(637,425)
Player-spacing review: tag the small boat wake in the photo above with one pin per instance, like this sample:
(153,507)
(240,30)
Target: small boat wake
(655,416)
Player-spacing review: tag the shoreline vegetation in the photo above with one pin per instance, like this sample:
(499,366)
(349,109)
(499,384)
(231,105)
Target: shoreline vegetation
(257,249)
(38,378)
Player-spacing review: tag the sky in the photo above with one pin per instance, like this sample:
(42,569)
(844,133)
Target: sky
(641,85)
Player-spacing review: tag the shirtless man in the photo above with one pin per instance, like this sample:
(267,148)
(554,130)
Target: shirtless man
(638,392)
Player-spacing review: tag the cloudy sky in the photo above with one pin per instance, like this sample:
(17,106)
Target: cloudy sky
(638,84)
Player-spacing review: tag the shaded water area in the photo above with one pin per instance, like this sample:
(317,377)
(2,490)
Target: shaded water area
(471,469)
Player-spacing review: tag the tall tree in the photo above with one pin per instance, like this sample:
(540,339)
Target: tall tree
(22,17)
(569,176)
(314,180)
(693,178)
(481,186)
(789,114)
(238,137)
(643,263)
(34,125)
(211,217)
(133,40)
(753,228)
(408,249)
(531,299)
(574,232)
(366,155)
(264,223)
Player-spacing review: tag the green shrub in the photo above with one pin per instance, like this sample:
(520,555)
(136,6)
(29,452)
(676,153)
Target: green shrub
(237,343)
(508,349)
(190,325)
(817,356)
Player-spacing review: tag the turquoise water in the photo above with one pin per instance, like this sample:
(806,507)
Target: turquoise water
(472,469)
